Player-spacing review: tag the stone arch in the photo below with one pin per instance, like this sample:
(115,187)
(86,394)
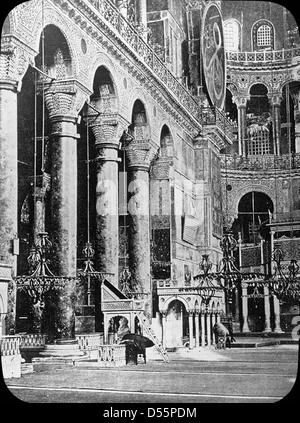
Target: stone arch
(98,60)
(265,189)
(137,94)
(105,89)
(27,22)
(258,83)
(166,142)
(166,304)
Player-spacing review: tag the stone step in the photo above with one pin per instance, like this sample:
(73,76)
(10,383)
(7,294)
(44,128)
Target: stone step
(26,368)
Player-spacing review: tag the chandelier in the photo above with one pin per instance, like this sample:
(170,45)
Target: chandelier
(206,287)
(284,283)
(40,279)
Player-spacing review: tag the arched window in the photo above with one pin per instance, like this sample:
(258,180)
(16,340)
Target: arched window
(263,35)
(232,35)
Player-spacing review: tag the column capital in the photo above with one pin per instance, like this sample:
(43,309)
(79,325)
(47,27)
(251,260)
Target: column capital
(140,154)
(15,58)
(241,100)
(64,98)
(275,99)
(108,129)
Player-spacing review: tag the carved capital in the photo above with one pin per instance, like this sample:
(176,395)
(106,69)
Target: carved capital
(107,129)
(275,99)
(14,60)
(140,154)
(64,97)
(240,101)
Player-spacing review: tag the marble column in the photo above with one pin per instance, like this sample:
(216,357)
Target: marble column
(164,329)
(64,99)
(8,188)
(8,172)
(191,330)
(208,327)
(203,332)
(277,328)
(267,309)
(139,154)
(107,136)
(197,332)
(214,321)
(241,103)
(141,16)
(275,102)
(245,327)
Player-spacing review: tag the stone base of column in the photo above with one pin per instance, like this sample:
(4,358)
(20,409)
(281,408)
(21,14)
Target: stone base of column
(278,330)
(268,330)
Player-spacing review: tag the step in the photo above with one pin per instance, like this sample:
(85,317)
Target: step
(26,368)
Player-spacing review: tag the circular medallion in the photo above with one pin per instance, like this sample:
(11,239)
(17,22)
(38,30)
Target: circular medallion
(213,55)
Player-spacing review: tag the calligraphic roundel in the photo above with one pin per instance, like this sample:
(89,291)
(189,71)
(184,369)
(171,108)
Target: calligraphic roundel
(213,55)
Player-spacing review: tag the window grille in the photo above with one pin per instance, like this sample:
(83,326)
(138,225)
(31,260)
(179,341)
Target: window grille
(258,142)
(264,36)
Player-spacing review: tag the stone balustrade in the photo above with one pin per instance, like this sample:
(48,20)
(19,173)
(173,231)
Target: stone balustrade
(262,57)
(10,356)
(112,355)
(145,53)
(261,163)
(32,340)
(89,341)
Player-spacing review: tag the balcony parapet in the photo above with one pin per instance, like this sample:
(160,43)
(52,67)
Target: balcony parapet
(263,58)
(260,163)
(145,53)
(213,117)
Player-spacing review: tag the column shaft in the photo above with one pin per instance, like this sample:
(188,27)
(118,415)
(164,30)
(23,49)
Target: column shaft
(197,329)
(203,332)
(139,241)
(242,130)
(107,218)
(8,172)
(164,337)
(64,196)
(191,335)
(267,309)
(277,328)
(245,327)
(208,326)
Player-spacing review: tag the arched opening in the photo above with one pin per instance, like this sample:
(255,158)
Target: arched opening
(259,130)
(166,142)
(177,327)
(254,211)
(54,55)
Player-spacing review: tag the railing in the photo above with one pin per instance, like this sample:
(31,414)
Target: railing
(248,57)
(212,116)
(32,340)
(10,345)
(120,305)
(112,355)
(145,53)
(264,162)
(89,341)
